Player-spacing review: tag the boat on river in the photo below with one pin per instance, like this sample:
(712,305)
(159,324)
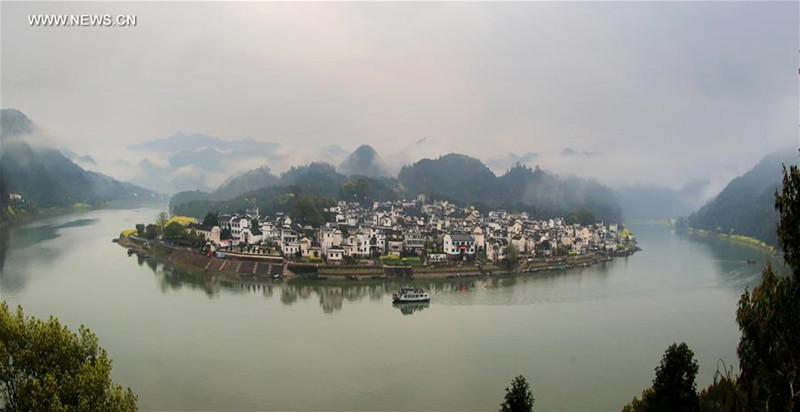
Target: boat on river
(409,294)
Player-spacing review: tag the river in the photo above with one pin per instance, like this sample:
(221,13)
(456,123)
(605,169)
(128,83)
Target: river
(586,339)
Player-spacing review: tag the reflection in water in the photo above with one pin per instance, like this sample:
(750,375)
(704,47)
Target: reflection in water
(408,308)
(26,237)
(561,329)
(738,264)
(31,235)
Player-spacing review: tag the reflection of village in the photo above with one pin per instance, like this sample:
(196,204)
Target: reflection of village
(333,296)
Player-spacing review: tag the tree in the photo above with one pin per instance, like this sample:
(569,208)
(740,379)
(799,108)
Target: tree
(788,204)
(225,234)
(211,219)
(140,230)
(46,367)
(151,231)
(161,221)
(674,386)
(582,217)
(512,256)
(175,231)
(519,397)
(769,353)
(305,212)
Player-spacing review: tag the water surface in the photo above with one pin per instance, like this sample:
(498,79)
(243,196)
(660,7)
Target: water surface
(586,339)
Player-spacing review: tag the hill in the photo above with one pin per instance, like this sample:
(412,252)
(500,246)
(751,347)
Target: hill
(455,177)
(245,182)
(364,161)
(46,178)
(745,206)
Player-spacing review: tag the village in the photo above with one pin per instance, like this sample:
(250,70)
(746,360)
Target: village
(416,232)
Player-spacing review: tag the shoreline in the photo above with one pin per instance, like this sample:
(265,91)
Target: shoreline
(268,268)
(739,239)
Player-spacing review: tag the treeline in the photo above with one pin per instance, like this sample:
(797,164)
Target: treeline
(456,178)
(745,206)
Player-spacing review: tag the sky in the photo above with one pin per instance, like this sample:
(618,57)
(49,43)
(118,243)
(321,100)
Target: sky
(623,92)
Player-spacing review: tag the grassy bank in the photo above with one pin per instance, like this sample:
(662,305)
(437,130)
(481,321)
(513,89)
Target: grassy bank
(740,239)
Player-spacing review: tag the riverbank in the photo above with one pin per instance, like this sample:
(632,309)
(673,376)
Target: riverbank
(244,266)
(739,239)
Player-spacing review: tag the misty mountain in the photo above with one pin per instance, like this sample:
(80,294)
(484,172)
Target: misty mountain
(545,194)
(657,202)
(85,159)
(14,123)
(455,177)
(245,182)
(466,180)
(316,179)
(179,142)
(46,178)
(746,205)
(364,161)
(197,161)
(503,163)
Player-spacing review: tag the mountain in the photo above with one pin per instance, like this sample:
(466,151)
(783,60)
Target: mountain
(193,161)
(746,205)
(245,182)
(364,161)
(467,180)
(316,179)
(180,142)
(658,202)
(503,163)
(552,195)
(46,178)
(14,123)
(455,177)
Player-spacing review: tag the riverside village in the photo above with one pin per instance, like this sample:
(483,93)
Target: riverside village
(389,239)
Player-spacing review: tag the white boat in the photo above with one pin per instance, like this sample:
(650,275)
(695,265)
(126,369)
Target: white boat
(409,294)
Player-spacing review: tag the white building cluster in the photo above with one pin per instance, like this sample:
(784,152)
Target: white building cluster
(436,231)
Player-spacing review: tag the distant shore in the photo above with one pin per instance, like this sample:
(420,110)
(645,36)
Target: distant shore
(740,239)
(264,267)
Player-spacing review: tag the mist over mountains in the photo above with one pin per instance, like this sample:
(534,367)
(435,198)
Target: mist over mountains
(46,178)
(747,204)
(454,177)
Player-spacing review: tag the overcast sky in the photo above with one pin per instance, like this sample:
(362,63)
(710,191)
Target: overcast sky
(655,92)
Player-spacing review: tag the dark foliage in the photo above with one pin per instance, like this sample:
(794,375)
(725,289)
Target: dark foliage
(519,397)
(745,206)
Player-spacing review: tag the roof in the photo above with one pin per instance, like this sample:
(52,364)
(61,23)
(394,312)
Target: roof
(459,237)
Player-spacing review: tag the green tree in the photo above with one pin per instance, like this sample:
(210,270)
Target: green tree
(140,230)
(46,367)
(161,221)
(175,231)
(582,217)
(674,386)
(722,395)
(519,397)
(512,256)
(769,353)
(305,212)
(151,231)
(211,219)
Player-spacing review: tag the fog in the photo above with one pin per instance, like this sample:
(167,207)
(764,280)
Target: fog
(623,92)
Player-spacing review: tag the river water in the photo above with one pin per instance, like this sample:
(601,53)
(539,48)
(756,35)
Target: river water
(586,339)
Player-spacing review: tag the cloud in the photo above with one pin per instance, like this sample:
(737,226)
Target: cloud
(664,92)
